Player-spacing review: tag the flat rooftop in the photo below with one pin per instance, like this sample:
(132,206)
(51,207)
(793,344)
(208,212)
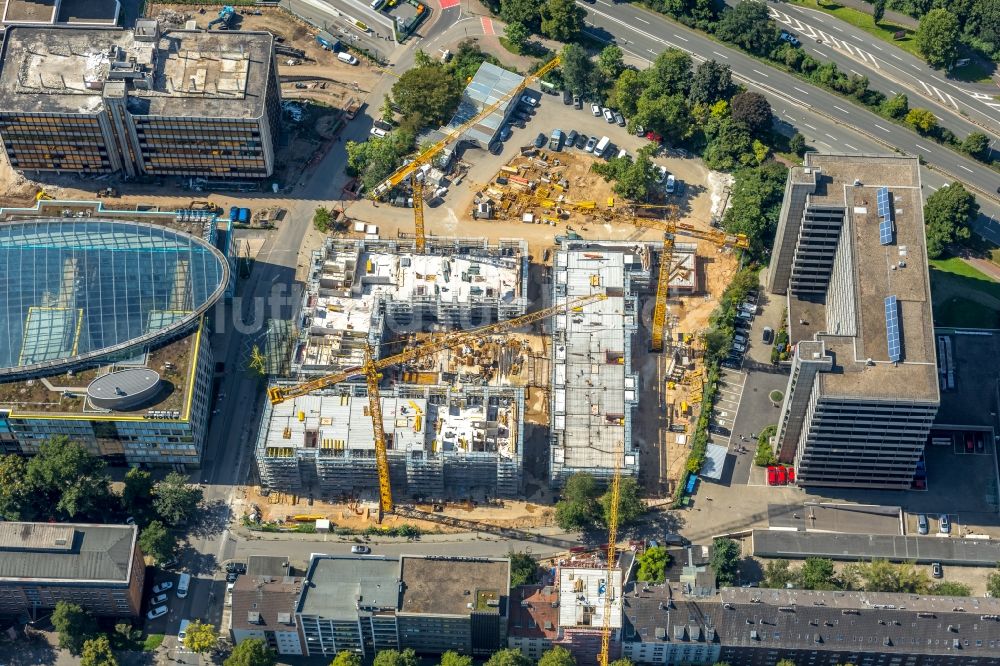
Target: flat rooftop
(897,548)
(454,585)
(42,12)
(853,327)
(66,552)
(488,85)
(582,595)
(219,74)
(337,586)
(829,517)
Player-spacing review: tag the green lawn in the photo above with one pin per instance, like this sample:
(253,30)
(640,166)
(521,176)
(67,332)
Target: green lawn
(952,277)
(884,30)
(152,642)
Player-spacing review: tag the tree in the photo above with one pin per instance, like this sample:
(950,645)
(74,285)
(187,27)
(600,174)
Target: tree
(624,661)
(948,214)
(754,110)
(323,219)
(523,569)
(517,35)
(97,652)
(576,67)
(634,179)
(345,658)
(75,626)
(452,658)
(610,62)
(627,90)
(68,482)
(921,120)
(508,657)
(557,656)
(251,652)
(396,658)
(670,73)
(951,589)
(175,499)
(429,91)
(749,26)
(711,82)
(777,574)
(562,20)
(667,114)
(157,542)
(137,493)
(15,494)
(756,204)
(878,11)
(201,637)
(725,560)
(896,106)
(976,144)
(729,146)
(937,37)
(797,144)
(630,507)
(577,509)
(653,565)
(373,160)
(817,573)
(993,582)
(524,12)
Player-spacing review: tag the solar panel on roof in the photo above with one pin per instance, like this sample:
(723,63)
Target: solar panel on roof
(885,231)
(892,328)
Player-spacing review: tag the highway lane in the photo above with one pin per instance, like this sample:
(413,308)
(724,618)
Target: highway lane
(644,34)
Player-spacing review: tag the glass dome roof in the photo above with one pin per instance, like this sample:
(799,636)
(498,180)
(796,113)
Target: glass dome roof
(74,290)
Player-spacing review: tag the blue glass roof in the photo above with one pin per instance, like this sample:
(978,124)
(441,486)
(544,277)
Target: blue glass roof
(72,290)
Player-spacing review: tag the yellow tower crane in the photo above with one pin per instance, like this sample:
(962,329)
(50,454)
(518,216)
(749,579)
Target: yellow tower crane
(429,153)
(609,590)
(371,369)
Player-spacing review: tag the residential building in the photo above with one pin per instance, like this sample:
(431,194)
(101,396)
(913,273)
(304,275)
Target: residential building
(594,388)
(99,567)
(431,604)
(105,323)
(263,607)
(139,102)
(584,589)
(534,619)
(851,258)
(759,627)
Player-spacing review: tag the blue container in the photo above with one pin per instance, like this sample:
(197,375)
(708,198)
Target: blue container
(234,214)
(244,216)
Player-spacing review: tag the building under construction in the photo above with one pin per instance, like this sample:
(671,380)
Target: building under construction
(366,292)
(443,442)
(594,389)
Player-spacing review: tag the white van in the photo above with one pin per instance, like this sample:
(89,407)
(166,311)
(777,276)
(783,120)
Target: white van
(344,56)
(376,4)
(182,585)
(601,146)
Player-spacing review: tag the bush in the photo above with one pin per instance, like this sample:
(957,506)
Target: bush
(764,455)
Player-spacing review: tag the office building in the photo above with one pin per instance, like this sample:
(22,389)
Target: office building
(139,102)
(263,607)
(594,388)
(104,337)
(851,258)
(99,567)
(431,604)
(365,292)
(443,442)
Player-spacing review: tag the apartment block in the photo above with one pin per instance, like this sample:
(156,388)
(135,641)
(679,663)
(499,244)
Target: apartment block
(852,261)
(362,293)
(594,388)
(99,567)
(443,442)
(431,604)
(140,102)
(263,607)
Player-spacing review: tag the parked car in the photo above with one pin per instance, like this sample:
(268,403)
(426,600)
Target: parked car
(496,148)
(159,611)
(158,600)
(980,443)
(790,38)
(936,571)
(596,110)
(556,140)
(581,141)
(767,335)
(945,524)
(739,348)
(772,476)
(661,173)
(505,132)
(969,444)
(162,587)
(719,430)
(731,363)
(671,184)
(238,567)
(360,550)
(529,100)
(540,140)
(567,97)
(791,475)
(231,577)
(740,338)
(609,115)
(681,188)
(782,476)
(577,102)
(378,131)
(619,119)
(571,138)
(591,142)
(922,524)
(640,130)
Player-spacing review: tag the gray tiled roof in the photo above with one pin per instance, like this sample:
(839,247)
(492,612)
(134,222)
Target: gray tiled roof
(66,552)
(269,599)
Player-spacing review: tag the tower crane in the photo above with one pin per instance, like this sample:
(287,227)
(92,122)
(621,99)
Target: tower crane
(428,154)
(371,369)
(616,484)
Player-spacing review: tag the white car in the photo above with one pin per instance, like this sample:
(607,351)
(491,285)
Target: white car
(609,115)
(671,184)
(162,587)
(360,550)
(159,611)
(661,173)
(596,110)
(529,100)
(379,132)
(158,600)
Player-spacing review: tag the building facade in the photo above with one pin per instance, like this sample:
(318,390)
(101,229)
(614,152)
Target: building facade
(139,102)
(851,258)
(99,567)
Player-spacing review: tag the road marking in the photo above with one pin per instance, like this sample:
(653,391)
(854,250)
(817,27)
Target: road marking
(651,50)
(762,73)
(924,148)
(790,118)
(850,146)
(487,26)
(915,67)
(932,187)
(896,57)
(875,46)
(854,71)
(723,55)
(831,136)
(824,143)
(884,129)
(837,27)
(810,126)
(962,166)
(893,92)
(642,20)
(804,92)
(857,38)
(841,110)
(683,39)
